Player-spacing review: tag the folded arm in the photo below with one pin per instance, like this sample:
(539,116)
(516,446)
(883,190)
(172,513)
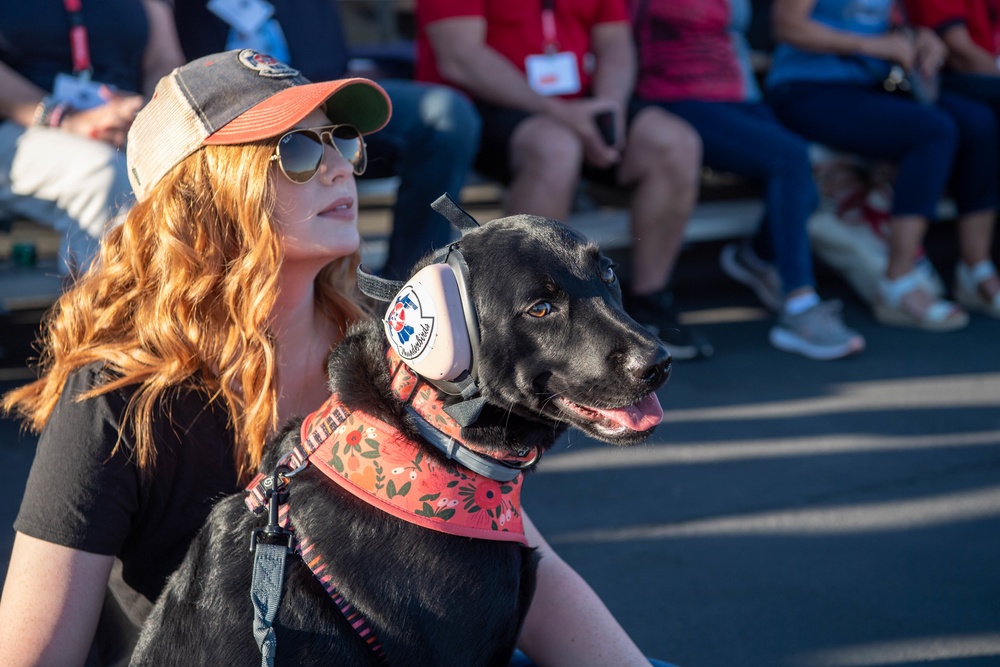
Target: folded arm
(793,24)
(964,55)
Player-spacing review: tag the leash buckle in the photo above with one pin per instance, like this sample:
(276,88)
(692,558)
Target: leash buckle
(280,537)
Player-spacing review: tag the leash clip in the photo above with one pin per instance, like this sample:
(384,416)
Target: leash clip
(276,493)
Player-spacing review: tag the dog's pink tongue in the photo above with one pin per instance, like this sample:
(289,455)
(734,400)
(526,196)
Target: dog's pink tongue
(640,416)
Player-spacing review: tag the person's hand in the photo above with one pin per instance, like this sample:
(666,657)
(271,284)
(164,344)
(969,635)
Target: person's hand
(109,122)
(579,115)
(931,51)
(896,47)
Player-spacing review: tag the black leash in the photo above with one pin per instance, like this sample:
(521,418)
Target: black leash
(270,546)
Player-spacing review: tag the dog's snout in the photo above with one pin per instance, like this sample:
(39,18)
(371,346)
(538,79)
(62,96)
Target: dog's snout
(654,370)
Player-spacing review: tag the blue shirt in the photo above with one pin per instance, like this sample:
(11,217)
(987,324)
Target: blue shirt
(864,17)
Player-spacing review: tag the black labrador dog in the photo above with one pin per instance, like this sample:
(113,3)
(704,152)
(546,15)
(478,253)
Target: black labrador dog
(555,349)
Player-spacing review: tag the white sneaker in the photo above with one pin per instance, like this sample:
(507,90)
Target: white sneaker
(817,333)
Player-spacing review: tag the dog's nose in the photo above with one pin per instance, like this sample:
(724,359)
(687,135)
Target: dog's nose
(655,371)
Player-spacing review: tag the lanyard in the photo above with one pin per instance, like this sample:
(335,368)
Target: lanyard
(549,40)
(79,45)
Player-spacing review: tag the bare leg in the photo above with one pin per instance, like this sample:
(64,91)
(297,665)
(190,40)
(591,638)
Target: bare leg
(906,236)
(663,161)
(975,239)
(902,301)
(546,157)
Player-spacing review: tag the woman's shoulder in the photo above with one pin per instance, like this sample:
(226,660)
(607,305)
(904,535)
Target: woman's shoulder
(83,400)
(83,381)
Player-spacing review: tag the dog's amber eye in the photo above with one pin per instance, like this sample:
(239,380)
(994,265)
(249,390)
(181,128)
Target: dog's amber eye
(540,309)
(609,275)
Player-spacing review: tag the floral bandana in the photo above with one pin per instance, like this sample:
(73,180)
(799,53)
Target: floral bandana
(376,463)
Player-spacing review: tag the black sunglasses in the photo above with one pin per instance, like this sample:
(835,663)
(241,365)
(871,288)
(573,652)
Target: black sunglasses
(300,152)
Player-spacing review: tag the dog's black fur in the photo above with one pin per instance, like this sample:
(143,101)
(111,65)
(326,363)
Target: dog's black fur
(432,599)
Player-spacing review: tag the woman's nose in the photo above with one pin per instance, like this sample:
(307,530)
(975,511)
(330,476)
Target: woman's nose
(334,165)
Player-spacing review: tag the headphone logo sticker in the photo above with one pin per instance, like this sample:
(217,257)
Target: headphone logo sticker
(409,327)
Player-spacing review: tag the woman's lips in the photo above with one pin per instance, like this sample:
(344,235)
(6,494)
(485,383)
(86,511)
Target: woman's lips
(342,208)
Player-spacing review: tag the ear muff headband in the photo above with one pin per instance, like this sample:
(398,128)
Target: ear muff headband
(431,321)
(457,262)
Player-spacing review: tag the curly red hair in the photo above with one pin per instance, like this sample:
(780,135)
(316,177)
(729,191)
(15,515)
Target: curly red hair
(182,293)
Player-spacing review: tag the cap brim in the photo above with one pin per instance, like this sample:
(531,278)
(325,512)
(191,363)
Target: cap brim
(358,102)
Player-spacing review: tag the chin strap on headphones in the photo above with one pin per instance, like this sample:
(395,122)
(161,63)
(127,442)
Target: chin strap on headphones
(376,287)
(467,411)
(455,214)
(384,289)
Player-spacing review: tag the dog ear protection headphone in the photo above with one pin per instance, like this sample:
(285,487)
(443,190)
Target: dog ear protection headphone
(431,321)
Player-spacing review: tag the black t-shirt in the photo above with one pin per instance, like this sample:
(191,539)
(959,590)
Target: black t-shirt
(34,40)
(82,496)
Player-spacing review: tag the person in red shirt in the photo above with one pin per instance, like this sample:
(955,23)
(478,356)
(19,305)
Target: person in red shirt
(542,74)
(971,31)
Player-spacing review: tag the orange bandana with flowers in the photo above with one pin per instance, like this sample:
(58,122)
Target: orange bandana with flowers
(376,463)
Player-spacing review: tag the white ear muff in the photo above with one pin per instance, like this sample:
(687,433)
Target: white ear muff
(425,324)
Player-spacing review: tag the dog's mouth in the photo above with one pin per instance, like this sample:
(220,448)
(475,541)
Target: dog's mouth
(616,423)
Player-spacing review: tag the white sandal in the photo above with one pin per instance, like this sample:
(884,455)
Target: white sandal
(888,308)
(967,292)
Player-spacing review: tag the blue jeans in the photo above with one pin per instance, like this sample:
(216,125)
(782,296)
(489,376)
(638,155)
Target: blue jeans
(521,660)
(953,141)
(429,143)
(746,139)
(982,87)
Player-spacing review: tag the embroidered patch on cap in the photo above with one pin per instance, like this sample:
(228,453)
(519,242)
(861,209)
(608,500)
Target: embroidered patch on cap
(266,65)
(408,323)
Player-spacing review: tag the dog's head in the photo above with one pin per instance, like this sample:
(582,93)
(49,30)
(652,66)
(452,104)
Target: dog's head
(550,343)
(555,342)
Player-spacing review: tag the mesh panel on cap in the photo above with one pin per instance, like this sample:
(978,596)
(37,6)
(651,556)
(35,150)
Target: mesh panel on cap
(166,132)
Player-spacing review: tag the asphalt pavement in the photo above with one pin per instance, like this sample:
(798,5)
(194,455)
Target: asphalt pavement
(788,512)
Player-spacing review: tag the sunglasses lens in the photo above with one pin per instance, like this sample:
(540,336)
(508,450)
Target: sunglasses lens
(300,154)
(347,139)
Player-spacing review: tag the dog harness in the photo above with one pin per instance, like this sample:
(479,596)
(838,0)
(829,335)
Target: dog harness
(378,464)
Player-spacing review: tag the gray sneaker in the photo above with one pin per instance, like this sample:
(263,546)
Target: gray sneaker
(740,263)
(817,333)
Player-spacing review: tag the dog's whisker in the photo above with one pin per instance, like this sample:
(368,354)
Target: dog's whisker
(510,411)
(550,398)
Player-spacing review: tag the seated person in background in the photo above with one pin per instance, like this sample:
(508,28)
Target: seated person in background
(739,134)
(826,84)
(65,116)
(429,142)
(540,75)
(970,29)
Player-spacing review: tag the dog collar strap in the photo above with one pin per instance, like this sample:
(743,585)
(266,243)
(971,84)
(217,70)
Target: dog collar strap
(424,404)
(316,428)
(379,465)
